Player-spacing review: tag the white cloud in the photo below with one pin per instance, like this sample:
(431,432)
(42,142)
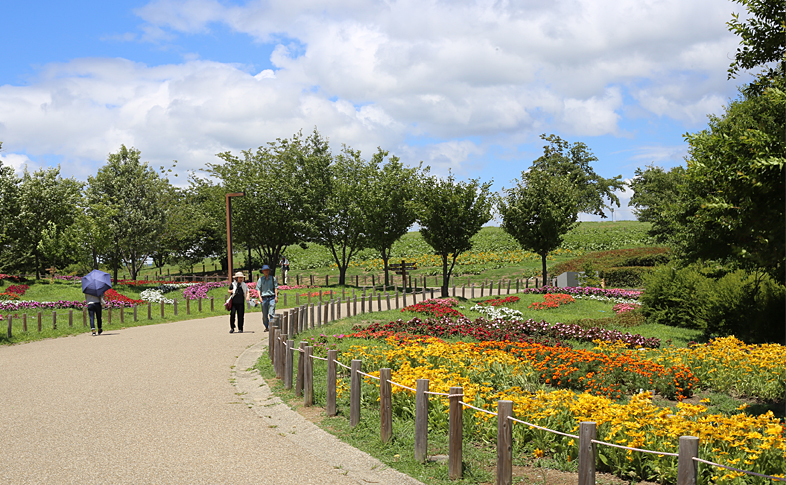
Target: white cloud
(378,73)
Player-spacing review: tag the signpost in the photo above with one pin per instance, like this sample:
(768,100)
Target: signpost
(402,269)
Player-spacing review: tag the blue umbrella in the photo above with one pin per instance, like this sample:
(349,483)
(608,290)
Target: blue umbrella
(96,282)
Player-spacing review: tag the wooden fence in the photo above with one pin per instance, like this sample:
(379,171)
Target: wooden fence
(281,349)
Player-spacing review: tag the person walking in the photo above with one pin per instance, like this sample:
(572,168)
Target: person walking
(239,291)
(94,306)
(267,286)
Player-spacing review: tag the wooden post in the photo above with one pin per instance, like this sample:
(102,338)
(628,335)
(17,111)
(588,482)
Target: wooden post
(162,308)
(472,293)
(297,299)
(24,322)
(276,339)
(508,292)
(504,443)
(122,314)
(200,305)
(588,452)
(211,303)
(387,296)
(338,309)
(149,310)
(517,285)
(332,310)
(330,406)
(54,320)
(455,433)
(308,377)
(327,276)
(363,303)
(39,322)
(354,393)
(379,302)
(297,279)
(354,305)
(300,369)
(499,288)
(271,348)
(482,287)
(357,280)
(188,306)
(397,307)
(71,317)
(463,291)
(687,468)
(136,319)
(175,306)
(421,420)
(285,299)
(10,325)
(319,314)
(288,365)
(385,405)
(311,277)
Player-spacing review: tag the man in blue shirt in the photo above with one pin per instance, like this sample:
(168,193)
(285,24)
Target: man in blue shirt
(268,292)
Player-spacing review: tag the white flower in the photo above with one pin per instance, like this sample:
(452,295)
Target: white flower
(155,296)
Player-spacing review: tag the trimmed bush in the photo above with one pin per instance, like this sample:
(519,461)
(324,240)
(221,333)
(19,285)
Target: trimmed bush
(625,277)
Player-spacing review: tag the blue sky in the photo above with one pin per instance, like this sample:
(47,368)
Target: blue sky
(466,86)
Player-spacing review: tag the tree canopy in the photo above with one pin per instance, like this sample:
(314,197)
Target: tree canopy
(573,162)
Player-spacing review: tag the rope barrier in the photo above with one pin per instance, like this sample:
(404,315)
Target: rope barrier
(636,449)
(368,375)
(320,358)
(780,479)
(437,393)
(542,428)
(342,365)
(478,409)
(402,385)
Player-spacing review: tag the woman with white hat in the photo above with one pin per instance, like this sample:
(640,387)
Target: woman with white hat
(239,297)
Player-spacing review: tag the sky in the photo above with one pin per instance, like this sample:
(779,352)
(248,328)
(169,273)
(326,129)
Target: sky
(463,86)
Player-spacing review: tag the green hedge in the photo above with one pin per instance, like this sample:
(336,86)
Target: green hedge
(625,277)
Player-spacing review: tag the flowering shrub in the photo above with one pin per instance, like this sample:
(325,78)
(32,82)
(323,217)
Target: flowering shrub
(552,300)
(9,295)
(625,307)
(40,305)
(67,277)
(438,307)
(291,287)
(500,301)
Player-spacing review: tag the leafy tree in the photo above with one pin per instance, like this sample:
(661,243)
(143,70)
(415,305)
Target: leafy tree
(272,215)
(47,206)
(206,200)
(733,208)
(450,213)
(539,211)
(129,195)
(342,225)
(763,35)
(389,203)
(563,159)
(655,193)
(9,206)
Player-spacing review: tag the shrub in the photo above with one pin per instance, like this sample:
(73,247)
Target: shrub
(674,297)
(749,306)
(626,277)
(612,259)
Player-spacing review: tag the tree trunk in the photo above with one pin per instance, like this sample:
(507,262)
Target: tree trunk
(545,275)
(444,289)
(385,264)
(342,274)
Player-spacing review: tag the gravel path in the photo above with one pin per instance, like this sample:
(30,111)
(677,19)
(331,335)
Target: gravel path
(171,404)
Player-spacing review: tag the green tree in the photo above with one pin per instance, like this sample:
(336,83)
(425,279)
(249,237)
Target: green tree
(342,225)
(389,203)
(733,209)
(9,207)
(572,161)
(272,214)
(539,211)
(450,213)
(762,36)
(128,195)
(45,200)
(656,193)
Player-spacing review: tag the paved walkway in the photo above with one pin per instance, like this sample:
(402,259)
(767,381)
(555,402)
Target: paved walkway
(170,404)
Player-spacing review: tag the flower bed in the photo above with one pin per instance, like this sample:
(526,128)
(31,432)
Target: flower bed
(116,300)
(17,289)
(492,371)
(552,300)
(500,301)
(437,307)
(625,307)
(584,291)
(199,290)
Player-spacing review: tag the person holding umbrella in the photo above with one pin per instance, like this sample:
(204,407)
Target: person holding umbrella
(94,285)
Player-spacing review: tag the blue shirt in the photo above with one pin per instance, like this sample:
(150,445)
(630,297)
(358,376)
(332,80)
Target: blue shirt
(267,286)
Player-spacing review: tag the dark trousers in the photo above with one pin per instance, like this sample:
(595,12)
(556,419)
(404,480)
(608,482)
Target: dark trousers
(240,309)
(94,310)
